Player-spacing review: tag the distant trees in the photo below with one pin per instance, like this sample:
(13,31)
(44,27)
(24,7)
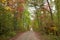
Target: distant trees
(6,23)
(11,19)
(47,14)
(15,17)
(57,2)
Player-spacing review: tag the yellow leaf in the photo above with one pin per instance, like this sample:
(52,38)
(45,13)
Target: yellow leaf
(7,8)
(3,1)
(55,28)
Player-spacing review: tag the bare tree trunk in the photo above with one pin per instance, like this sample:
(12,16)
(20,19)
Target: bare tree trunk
(50,11)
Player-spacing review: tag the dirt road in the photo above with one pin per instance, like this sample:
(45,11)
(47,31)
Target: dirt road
(30,35)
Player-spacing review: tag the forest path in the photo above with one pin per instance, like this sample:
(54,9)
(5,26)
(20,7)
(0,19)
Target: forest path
(30,35)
